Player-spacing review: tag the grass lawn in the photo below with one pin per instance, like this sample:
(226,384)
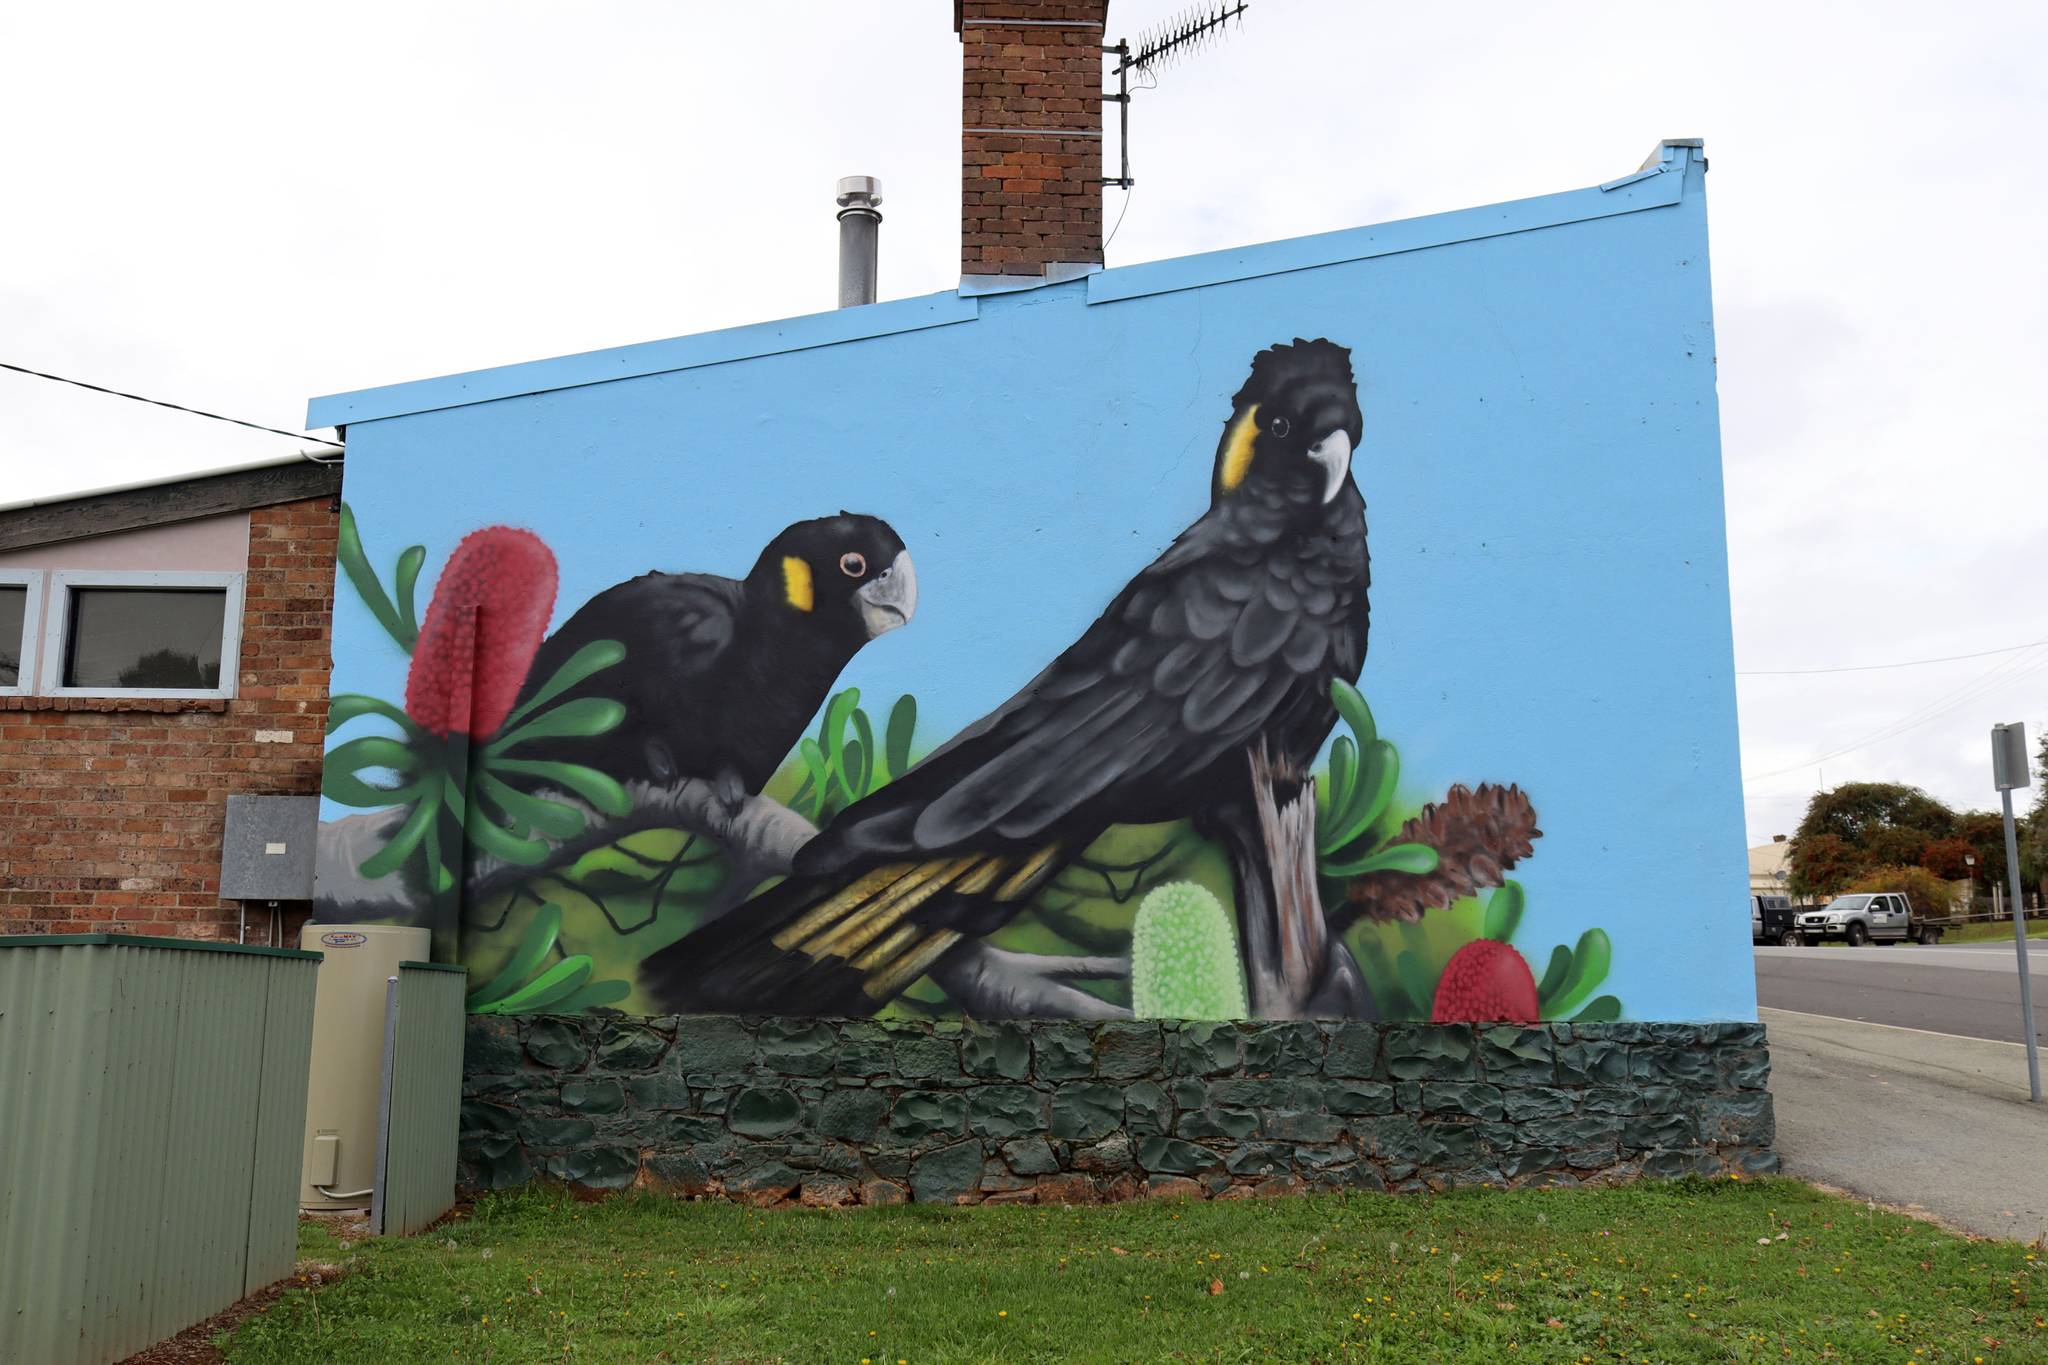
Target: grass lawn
(1994,931)
(1695,1271)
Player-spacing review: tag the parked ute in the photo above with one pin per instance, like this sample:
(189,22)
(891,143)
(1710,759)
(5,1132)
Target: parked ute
(1771,920)
(1882,917)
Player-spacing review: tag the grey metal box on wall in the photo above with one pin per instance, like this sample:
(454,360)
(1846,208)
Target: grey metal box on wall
(266,853)
(152,1093)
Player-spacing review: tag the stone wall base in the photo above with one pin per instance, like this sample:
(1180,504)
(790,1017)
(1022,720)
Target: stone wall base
(833,1112)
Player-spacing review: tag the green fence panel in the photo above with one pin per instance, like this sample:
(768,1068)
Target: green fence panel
(152,1098)
(423,1099)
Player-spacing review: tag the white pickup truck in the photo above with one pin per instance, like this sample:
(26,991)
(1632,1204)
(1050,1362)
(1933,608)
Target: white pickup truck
(1881,917)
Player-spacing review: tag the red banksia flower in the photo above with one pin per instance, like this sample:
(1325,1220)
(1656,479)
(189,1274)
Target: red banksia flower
(467,665)
(1485,982)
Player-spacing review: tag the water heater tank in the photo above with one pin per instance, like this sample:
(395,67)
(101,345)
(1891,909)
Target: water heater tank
(348,1052)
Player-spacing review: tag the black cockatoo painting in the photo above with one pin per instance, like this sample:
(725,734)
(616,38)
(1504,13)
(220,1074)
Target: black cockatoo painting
(721,675)
(1216,661)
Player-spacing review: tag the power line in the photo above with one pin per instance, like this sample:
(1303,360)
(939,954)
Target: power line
(1869,668)
(1982,685)
(175,407)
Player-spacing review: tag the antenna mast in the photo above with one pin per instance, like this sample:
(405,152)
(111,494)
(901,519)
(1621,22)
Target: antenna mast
(1168,43)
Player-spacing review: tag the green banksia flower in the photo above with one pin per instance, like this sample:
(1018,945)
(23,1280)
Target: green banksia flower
(1184,957)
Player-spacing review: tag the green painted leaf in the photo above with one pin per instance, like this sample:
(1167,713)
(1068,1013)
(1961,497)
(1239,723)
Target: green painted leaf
(1554,974)
(354,705)
(1590,961)
(577,719)
(897,735)
(854,757)
(534,945)
(1379,769)
(596,994)
(593,658)
(355,564)
(1415,980)
(1335,797)
(373,751)
(551,818)
(832,735)
(590,784)
(402,583)
(499,844)
(346,789)
(1503,912)
(1600,1010)
(1351,706)
(392,856)
(863,765)
(1415,859)
(558,982)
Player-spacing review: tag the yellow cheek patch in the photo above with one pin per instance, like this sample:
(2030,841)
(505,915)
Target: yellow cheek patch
(796,583)
(1236,460)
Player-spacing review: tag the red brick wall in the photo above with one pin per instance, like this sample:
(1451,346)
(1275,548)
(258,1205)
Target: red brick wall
(1033,196)
(111,809)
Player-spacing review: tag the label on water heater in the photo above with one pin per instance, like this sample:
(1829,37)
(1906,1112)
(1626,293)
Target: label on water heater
(343,939)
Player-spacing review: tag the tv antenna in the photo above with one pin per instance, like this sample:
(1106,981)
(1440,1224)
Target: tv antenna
(1164,45)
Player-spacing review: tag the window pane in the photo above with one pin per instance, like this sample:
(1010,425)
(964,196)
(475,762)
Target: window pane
(13,608)
(145,637)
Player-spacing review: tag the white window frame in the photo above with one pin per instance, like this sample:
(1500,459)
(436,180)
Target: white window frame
(58,626)
(31,628)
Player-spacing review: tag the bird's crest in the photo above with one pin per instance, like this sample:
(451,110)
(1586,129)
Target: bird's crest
(1277,367)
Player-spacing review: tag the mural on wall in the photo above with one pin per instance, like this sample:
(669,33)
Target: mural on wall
(629,814)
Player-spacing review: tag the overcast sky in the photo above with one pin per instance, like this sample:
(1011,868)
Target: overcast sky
(238,206)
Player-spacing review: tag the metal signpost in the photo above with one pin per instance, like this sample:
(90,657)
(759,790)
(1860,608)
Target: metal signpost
(2009,771)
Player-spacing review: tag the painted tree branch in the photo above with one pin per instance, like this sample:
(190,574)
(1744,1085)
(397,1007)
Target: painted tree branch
(1478,836)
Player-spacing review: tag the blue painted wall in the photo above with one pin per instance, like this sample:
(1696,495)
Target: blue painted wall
(1540,465)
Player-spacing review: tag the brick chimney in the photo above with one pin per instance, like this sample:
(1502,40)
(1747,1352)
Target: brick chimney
(1031,135)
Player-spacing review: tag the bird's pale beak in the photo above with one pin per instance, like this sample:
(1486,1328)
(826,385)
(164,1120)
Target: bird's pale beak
(1333,453)
(889,599)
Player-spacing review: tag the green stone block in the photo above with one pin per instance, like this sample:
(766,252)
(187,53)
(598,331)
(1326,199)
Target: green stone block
(1518,1056)
(1172,1156)
(1085,1110)
(1202,1049)
(1256,1093)
(1676,1165)
(1527,1160)
(478,1117)
(863,1059)
(1030,1156)
(629,1047)
(1745,1069)
(1359,1097)
(490,1043)
(1660,1130)
(1573,1131)
(1431,1052)
(764,1178)
(1537,1102)
(1609,1100)
(854,1115)
(1261,1158)
(1061,1051)
(711,1045)
(1235,1124)
(692,1128)
(948,1174)
(791,1047)
(1592,1063)
(593,1097)
(597,1168)
(1463,1099)
(1398,1139)
(1286,1048)
(996,1050)
(759,1112)
(1190,1094)
(497,1163)
(1005,1111)
(1127,1048)
(1459,1143)
(1316,1160)
(557,1044)
(538,1130)
(1147,1109)
(1674,1064)
(1747,1119)
(928,1059)
(1110,1156)
(661,1091)
(1300,1125)
(713,1101)
(1353,1050)
(928,1113)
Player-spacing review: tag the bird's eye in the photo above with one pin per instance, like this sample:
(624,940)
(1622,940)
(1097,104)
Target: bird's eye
(853,564)
(1281,426)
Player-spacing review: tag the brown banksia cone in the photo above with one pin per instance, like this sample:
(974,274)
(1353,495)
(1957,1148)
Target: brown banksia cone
(1478,836)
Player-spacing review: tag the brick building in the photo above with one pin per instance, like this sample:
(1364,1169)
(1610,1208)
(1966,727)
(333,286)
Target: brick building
(162,648)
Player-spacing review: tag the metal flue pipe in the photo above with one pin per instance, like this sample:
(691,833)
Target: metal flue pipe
(860,225)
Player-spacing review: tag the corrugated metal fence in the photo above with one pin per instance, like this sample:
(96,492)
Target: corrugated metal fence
(422,1098)
(152,1094)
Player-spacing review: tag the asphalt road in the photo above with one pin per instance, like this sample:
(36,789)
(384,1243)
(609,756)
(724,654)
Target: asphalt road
(1923,1121)
(1968,989)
